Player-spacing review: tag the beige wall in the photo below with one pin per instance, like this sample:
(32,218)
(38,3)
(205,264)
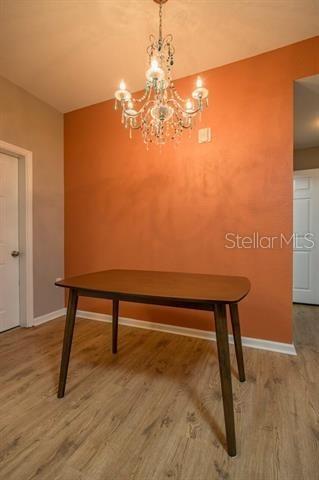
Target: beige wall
(306,158)
(29,123)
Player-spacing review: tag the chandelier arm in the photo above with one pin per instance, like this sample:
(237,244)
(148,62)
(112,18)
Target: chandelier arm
(176,104)
(181,124)
(145,95)
(178,128)
(137,127)
(146,105)
(139,112)
(182,109)
(132,115)
(177,95)
(191,113)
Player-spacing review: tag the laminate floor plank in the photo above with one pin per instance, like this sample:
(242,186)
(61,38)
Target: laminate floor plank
(154,411)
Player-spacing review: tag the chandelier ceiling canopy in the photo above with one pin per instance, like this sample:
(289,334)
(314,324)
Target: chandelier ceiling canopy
(160,113)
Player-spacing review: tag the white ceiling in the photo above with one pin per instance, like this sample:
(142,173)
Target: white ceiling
(72,53)
(306,112)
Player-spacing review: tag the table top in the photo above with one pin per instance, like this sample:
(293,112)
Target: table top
(188,287)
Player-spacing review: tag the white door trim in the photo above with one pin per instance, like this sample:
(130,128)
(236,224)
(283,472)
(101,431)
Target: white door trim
(305,173)
(26,230)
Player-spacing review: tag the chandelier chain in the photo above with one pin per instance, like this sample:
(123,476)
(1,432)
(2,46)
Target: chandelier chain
(160,23)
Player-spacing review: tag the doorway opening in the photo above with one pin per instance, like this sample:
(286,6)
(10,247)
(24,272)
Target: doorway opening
(16,244)
(306,207)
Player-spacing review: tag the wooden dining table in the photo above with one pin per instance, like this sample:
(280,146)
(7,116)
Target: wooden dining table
(211,293)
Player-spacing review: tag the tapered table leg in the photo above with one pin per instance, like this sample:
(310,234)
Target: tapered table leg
(115,325)
(225,376)
(237,340)
(67,341)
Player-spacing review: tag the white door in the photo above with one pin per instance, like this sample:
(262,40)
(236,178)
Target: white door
(306,230)
(9,243)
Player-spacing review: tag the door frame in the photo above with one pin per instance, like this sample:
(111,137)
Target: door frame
(25,188)
(303,173)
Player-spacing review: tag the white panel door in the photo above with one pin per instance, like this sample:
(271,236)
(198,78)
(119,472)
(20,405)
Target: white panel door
(306,232)
(9,243)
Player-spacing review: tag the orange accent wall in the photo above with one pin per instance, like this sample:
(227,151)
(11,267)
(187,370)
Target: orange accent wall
(170,208)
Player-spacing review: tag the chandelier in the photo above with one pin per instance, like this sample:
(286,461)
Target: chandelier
(160,113)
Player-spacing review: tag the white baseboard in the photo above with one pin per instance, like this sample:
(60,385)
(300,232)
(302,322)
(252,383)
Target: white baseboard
(287,348)
(49,316)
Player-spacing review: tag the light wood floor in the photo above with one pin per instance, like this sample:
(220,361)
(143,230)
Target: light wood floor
(154,411)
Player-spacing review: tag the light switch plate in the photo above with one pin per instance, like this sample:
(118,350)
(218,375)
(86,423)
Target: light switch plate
(204,135)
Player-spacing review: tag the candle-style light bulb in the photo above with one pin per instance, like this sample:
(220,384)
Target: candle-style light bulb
(199,82)
(154,64)
(189,104)
(155,72)
(200,92)
(122,94)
